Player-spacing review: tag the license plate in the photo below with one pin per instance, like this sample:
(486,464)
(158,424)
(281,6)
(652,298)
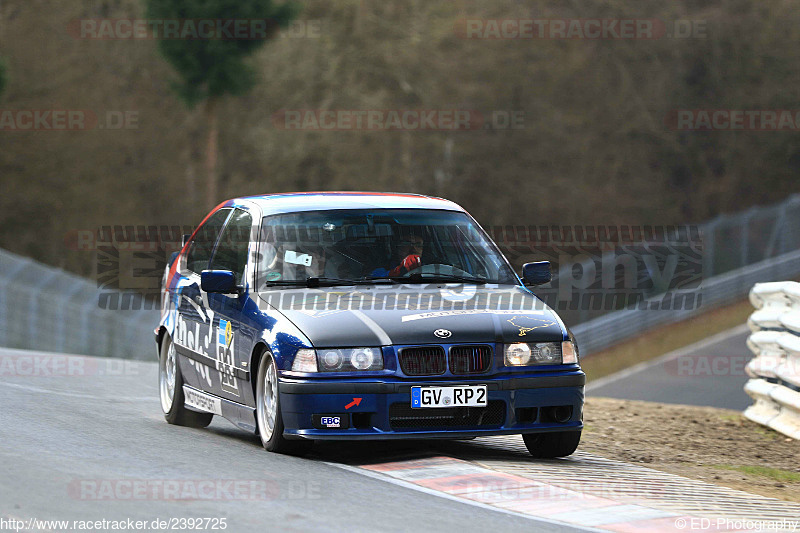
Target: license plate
(461,396)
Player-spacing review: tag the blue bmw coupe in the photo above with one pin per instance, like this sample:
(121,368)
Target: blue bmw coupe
(344,315)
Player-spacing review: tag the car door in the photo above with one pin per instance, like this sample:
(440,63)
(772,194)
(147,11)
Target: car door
(234,334)
(195,319)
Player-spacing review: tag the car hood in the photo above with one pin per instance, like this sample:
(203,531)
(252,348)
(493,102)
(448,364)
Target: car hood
(415,314)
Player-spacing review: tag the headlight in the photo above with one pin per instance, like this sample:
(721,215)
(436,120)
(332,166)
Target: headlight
(331,360)
(349,359)
(305,361)
(547,353)
(363,358)
(518,354)
(540,353)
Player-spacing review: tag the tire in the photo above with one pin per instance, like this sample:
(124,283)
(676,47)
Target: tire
(551,445)
(170,388)
(268,412)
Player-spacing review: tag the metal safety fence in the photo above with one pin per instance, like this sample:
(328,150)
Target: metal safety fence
(613,328)
(774,372)
(48,309)
(737,240)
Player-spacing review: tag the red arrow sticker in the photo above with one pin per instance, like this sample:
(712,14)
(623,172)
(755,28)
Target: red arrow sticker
(356,401)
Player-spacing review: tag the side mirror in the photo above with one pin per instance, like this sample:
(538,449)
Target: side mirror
(537,273)
(222,281)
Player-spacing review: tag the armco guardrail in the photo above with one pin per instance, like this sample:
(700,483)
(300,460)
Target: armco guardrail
(775,369)
(45,308)
(717,291)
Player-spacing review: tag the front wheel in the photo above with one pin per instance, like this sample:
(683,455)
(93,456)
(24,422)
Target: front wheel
(170,386)
(551,445)
(268,412)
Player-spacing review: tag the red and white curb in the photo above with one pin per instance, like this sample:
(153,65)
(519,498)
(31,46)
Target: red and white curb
(588,505)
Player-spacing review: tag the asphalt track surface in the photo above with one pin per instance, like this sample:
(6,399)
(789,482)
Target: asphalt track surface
(80,440)
(708,373)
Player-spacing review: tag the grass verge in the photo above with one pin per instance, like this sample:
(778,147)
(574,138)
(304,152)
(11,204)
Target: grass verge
(665,339)
(773,473)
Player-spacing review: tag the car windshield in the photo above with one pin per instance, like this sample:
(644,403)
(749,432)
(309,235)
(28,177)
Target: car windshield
(390,245)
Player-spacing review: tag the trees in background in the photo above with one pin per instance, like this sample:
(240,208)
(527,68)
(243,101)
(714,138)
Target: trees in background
(210,68)
(3,76)
(593,148)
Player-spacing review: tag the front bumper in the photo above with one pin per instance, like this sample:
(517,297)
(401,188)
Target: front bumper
(517,404)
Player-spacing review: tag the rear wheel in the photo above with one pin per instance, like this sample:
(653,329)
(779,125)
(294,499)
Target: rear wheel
(268,412)
(170,386)
(550,445)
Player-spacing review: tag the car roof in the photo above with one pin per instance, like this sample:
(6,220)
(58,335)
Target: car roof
(327,200)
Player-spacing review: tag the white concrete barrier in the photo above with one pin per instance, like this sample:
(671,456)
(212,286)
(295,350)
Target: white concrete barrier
(764,409)
(766,318)
(774,372)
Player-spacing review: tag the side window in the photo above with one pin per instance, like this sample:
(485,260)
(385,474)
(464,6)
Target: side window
(203,243)
(231,253)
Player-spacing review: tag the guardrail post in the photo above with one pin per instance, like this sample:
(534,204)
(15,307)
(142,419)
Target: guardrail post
(745,234)
(709,244)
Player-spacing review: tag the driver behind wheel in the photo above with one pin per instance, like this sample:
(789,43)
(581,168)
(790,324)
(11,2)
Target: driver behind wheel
(408,253)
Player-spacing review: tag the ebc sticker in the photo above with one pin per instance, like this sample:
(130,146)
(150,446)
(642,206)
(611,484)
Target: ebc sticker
(330,421)
(225,364)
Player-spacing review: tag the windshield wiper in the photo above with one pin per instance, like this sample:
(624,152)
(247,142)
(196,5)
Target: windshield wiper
(428,278)
(374,279)
(314,281)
